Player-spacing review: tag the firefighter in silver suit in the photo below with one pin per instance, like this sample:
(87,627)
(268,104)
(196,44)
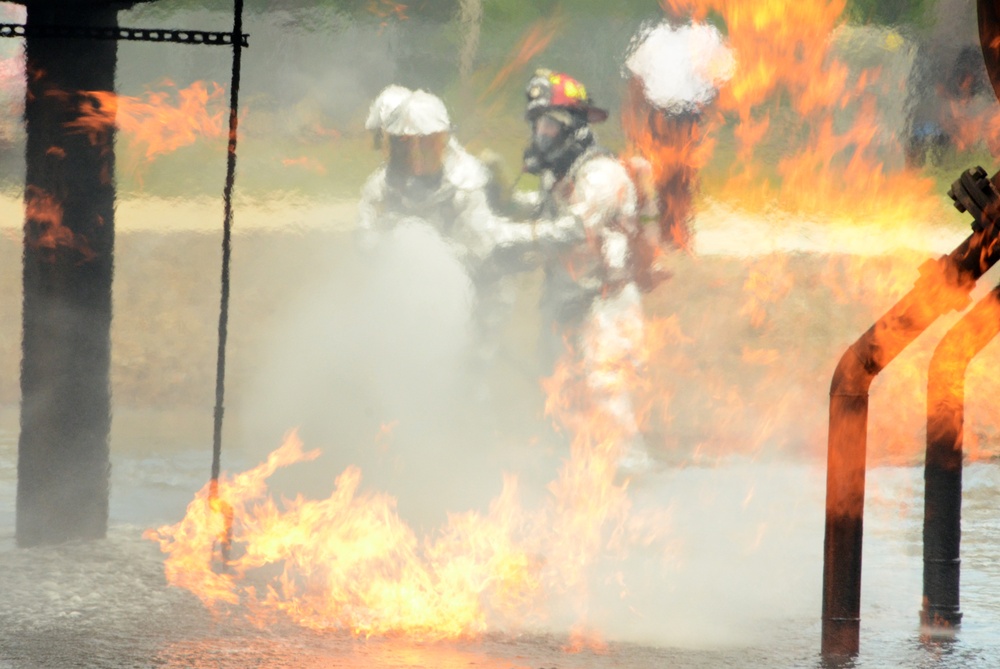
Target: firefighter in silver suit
(429,177)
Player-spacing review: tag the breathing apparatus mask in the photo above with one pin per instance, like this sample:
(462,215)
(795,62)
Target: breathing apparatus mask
(558,137)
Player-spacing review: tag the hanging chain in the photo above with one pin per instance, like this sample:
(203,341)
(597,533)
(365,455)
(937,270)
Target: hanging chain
(129,34)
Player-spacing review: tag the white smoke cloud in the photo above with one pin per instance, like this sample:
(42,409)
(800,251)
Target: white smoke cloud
(681,67)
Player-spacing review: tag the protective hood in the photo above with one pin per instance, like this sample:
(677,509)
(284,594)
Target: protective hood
(383,105)
(420,113)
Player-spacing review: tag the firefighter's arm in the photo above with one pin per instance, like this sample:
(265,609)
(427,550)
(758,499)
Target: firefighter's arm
(518,247)
(504,197)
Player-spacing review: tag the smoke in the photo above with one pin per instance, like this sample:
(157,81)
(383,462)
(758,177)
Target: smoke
(682,67)
(372,363)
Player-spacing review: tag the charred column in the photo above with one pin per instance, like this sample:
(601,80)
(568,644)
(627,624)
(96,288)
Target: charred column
(63,452)
(944,285)
(943,466)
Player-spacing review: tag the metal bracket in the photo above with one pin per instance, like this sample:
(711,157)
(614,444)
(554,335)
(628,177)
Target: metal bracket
(129,34)
(974,192)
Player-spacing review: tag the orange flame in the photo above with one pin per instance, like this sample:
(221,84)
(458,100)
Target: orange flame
(305,163)
(350,563)
(809,141)
(676,148)
(792,95)
(44,225)
(534,41)
(768,283)
(162,122)
(387,9)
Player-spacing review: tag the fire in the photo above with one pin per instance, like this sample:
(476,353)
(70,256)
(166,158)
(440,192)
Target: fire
(970,125)
(305,163)
(159,123)
(44,225)
(534,41)
(582,639)
(768,283)
(792,96)
(349,562)
(386,10)
(799,135)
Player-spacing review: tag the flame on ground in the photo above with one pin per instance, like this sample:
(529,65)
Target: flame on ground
(349,562)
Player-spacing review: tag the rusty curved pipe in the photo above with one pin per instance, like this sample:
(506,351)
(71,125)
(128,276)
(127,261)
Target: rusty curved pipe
(944,285)
(943,465)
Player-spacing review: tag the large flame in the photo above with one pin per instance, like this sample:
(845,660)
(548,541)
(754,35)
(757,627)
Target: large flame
(792,97)
(800,140)
(349,562)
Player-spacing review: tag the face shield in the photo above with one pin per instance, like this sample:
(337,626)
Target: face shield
(547,133)
(552,134)
(417,155)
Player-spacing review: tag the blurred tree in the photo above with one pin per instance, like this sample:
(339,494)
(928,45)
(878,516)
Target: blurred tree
(889,12)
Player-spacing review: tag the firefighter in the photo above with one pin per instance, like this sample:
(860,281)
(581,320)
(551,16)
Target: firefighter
(587,229)
(428,176)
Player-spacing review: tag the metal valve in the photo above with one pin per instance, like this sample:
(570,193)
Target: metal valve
(975,193)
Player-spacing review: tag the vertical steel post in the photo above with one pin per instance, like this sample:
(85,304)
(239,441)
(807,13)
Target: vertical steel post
(63,452)
(943,465)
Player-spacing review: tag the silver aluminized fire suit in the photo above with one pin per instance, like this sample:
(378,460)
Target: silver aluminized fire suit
(455,204)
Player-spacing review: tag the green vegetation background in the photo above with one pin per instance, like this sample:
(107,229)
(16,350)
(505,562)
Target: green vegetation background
(486,116)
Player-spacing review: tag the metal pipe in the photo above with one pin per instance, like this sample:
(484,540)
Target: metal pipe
(943,285)
(943,465)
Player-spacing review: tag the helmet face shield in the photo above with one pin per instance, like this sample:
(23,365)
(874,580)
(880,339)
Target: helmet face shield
(555,135)
(547,133)
(417,155)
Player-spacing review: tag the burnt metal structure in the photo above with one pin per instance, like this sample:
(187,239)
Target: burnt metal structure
(119,33)
(943,465)
(63,449)
(988,13)
(63,459)
(944,285)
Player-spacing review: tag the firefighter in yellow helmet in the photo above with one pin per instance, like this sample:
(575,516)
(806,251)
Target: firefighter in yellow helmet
(586,220)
